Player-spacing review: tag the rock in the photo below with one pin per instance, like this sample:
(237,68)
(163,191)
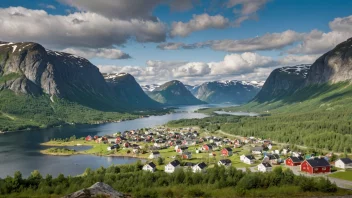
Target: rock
(282,82)
(334,66)
(174,93)
(98,189)
(236,92)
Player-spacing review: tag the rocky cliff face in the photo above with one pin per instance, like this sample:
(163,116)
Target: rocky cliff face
(174,93)
(236,92)
(99,189)
(334,66)
(29,68)
(129,91)
(283,82)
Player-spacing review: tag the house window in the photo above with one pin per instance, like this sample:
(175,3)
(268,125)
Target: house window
(323,169)
(315,169)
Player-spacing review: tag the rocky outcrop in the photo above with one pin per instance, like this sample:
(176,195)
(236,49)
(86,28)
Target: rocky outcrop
(174,93)
(235,92)
(29,68)
(283,82)
(129,91)
(334,66)
(99,189)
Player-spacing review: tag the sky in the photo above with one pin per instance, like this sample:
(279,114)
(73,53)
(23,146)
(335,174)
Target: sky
(194,41)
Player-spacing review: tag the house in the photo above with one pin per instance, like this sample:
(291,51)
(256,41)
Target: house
(172,166)
(257,150)
(226,151)
(149,167)
(285,151)
(315,165)
(199,167)
(187,155)
(224,162)
(189,165)
(264,167)
(89,138)
(344,163)
(207,147)
(272,159)
(294,161)
(247,159)
(269,146)
(115,146)
(181,150)
(154,155)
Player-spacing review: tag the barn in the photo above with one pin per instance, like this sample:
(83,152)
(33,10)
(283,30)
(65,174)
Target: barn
(294,161)
(316,165)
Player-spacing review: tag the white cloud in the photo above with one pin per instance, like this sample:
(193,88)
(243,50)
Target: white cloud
(197,23)
(80,29)
(269,41)
(192,69)
(317,42)
(248,8)
(296,60)
(240,63)
(48,6)
(98,53)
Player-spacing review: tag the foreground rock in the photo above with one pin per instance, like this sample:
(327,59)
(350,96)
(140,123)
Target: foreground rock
(99,189)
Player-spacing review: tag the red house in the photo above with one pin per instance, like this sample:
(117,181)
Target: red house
(294,161)
(226,151)
(88,138)
(315,165)
(207,147)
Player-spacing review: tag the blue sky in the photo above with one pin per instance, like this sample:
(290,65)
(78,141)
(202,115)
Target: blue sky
(218,42)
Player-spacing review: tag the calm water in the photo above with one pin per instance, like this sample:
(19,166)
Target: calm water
(20,150)
(236,113)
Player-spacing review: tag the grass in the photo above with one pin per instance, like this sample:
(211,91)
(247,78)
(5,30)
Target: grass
(345,175)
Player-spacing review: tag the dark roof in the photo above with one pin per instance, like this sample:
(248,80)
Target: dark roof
(209,145)
(228,149)
(151,164)
(175,163)
(346,160)
(297,159)
(225,161)
(250,157)
(267,165)
(273,156)
(258,148)
(318,162)
(202,165)
(155,152)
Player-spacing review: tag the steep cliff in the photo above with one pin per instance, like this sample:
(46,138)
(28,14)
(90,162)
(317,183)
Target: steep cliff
(174,93)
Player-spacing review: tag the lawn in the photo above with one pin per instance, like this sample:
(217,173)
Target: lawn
(345,175)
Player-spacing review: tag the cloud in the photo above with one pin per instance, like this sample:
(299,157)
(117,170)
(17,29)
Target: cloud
(48,6)
(98,53)
(79,29)
(233,65)
(182,5)
(198,23)
(317,42)
(296,60)
(269,41)
(248,8)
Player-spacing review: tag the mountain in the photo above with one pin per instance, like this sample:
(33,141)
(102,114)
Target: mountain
(236,92)
(334,66)
(129,92)
(174,93)
(282,82)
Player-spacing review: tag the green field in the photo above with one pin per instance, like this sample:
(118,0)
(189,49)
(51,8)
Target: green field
(345,175)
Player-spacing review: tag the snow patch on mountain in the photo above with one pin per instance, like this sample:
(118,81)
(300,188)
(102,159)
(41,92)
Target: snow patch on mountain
(298,70)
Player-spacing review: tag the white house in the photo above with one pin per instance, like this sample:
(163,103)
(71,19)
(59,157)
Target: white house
(247,159)
(154,155)
(149,167)
(199,167)
(224,162)
(257,150)
(264,167)
(172,166)
(344,163)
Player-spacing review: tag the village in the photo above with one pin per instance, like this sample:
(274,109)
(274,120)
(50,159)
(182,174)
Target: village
(167,149)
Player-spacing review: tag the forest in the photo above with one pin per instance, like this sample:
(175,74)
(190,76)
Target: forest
(130,179)
(325,131)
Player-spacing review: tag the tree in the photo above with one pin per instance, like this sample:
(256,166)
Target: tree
(160,161)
